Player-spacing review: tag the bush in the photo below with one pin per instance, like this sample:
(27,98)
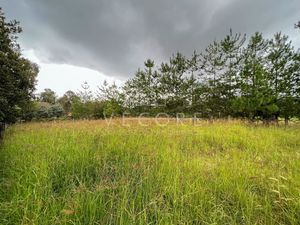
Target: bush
(112,108)
(55,111)
(88,110)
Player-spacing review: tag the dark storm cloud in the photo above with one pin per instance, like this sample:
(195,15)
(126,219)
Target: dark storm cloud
(115,37)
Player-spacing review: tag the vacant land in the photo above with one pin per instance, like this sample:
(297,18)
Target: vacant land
(90,173)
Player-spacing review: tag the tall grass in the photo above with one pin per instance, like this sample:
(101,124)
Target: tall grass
(90,173)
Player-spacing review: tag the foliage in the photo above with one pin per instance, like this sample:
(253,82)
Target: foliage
(88,110)
(258,79)
(112,98)
(67,100)
(17,74)
(56,111)
(45,110)
(48,96)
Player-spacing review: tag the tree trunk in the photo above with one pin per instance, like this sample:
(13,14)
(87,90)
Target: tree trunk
(286,120)
(2,128)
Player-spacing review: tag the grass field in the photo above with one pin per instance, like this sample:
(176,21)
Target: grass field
(87,172)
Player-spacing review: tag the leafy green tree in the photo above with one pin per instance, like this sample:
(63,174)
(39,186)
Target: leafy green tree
(88,110)
(17,74)
(80,110)
(84,106)
(112,98)
(98,109)
(29,111)
(48,96)
(112,109)
(67,100)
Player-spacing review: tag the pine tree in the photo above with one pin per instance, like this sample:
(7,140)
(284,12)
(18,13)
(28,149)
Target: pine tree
(210,75)
(231,47)
(143,91)
(282,68)
(174,84)
(256,99)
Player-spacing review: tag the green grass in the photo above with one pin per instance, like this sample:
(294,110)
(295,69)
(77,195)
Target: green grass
(90,173)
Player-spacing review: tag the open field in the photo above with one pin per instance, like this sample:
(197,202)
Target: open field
(88,172)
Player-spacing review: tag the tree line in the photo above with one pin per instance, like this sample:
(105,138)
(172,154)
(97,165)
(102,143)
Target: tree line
(83,104)
(254,79)
(258,78)
(240,77)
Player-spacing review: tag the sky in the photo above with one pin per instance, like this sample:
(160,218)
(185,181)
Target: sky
(95,40)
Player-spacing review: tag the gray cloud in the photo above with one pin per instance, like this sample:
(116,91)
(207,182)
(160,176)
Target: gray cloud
(115,37)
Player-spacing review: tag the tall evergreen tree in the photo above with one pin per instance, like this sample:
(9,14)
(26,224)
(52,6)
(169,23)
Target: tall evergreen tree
(211,70)
(256,99)
(282,66)
(231,47)
(193,86)
(143,91)
(174,83)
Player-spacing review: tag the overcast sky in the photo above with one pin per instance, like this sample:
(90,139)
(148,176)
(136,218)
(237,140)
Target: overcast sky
(91,40)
